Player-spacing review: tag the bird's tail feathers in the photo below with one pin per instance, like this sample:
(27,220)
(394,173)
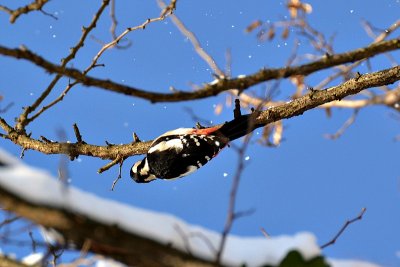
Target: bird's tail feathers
(240,126)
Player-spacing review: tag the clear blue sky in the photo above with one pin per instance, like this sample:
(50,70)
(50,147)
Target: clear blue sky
(309,183)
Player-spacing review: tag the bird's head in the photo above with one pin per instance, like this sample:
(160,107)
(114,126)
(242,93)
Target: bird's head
(140,172)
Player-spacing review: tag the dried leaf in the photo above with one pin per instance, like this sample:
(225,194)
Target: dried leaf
(271,33)
(285,33)
(307,8)
(328,112)
(254,25)
(218,109)
(296,5)
(298,81)
(266,132)
(229,100)
(277,135)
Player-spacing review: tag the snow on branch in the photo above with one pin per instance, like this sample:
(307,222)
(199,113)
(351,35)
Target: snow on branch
(131,235)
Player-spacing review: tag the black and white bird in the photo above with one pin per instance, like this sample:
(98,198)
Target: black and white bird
(182,151)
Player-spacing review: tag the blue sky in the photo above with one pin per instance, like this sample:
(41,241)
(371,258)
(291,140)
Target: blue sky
(308,183)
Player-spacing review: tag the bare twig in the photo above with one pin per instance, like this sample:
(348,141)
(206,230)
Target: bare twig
(205,239)
(195,42)
(121,161)
(114,21)
(109,165)
(34,243)
(232,215)
(9,220)
(113,27)
(166,12)
(136,138)
(6,108)
(184,238)
(264,232)
(346,224)
(344,127)
(77,133)
(36,5)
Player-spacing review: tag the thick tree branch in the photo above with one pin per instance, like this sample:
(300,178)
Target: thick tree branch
(336,93)
(290,109)
(211,89)
(108,240)
(74,149)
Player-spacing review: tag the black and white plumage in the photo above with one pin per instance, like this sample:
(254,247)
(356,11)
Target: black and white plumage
(180,152)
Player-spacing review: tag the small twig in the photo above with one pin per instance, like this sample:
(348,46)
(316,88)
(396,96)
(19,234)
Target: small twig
(8,221)
(7,107)
(78,134)
(6,9)
(109,144)
(48,14)
(167,11)
(135,138)
(236,111)
(44,139)
(36,5)
(206,240)
(113,20)
(346,224)
(21,156)
(344,127)
(184,238)
(34,245)
(195,42)
(244,213)
(265,233)
(121,161)
(109,165)
(113,28)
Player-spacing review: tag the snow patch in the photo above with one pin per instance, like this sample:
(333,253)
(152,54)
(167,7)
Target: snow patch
(32,259)
(350,263)
(41,188)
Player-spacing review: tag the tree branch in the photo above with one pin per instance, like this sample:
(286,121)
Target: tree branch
(211,89)
(108,240)
(34,6)
(336,93)
(287,110)
(345,225)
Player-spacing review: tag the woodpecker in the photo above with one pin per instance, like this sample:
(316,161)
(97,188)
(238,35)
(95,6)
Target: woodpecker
(182,151)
